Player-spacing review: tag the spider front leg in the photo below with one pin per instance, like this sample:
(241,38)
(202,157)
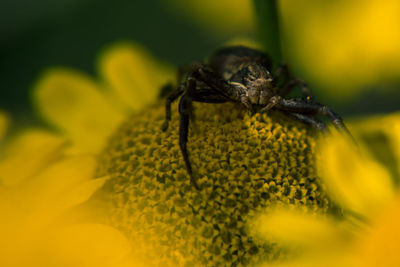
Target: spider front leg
(215,82)
(185,106)
(282,72)
(172,95)
(170,99)
(298,105)
(305,91)
(309,120)
(206,95)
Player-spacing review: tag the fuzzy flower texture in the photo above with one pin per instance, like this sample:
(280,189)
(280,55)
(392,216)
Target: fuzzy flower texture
(106,187)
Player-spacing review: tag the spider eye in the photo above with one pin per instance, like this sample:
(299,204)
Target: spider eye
(250,77)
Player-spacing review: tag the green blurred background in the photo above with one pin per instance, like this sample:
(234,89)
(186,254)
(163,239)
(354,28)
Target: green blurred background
(36,35)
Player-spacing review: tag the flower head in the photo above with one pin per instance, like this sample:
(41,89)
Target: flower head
(109,137)
(242,164)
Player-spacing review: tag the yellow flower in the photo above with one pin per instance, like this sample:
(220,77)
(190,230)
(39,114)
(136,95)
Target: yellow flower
(367,233)
(243,165)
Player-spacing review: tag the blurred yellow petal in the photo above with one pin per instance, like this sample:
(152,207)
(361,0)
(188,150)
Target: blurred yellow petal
(133,75)
(79,245)
(386,129)
(245,42)
(32,227)
(315,260)
(41,199)
(392,130)
(3,125)
(218,17)
(82,193)
(28,154)
(86,245)
(353,177)
(59,179)
(73,102)
(299,230)
(381,246)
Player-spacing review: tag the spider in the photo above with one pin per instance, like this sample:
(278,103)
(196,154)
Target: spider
(241,75)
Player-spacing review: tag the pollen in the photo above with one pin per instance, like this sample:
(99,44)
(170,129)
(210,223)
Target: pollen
(243,165)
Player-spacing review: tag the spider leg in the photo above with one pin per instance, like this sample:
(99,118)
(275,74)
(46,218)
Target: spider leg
(217,83)
(172,95)
(185,104)
(189,68)
(282,72)
(170,99)
(305,91)
(208,96)
(298,105)
(227,90)
(205,95)
(317,124)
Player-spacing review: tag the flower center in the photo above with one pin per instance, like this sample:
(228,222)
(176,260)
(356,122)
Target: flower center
(243,165)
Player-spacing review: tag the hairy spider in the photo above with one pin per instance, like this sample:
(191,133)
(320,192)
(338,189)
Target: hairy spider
(242,75)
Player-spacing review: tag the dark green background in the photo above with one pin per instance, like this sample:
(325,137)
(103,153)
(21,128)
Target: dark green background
(39,34)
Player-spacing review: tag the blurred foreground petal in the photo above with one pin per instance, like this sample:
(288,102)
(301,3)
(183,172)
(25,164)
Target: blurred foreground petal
(41,199)
(86,245)
(28,154)
(3,124)
(381,246)
(382,134)
(218,17)
(73,102)
(353,177)
(298,229)
(133,75)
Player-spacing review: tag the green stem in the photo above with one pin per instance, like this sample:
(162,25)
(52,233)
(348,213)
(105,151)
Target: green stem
(267,21)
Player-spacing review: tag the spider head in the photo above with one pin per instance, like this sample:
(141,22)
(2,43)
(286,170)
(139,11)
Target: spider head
(256,82)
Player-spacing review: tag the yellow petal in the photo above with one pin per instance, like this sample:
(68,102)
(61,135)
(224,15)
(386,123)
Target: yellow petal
(380,247)
(74,103)
(81,193)
(392,130)
(219,17)
(298,229)
(245,42)
(30,209)
(28,154)
(316,260)
(80,245)
(133,75)
(3,125)
(384,129)
(59,179)
(353,177)
(90,245)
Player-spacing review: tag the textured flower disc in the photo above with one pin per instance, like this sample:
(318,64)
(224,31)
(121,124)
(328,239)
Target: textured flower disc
(243,165)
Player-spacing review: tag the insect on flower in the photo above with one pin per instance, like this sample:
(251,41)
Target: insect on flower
(242,75)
